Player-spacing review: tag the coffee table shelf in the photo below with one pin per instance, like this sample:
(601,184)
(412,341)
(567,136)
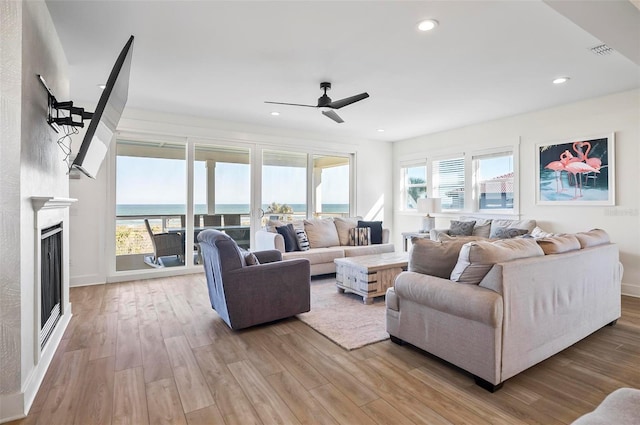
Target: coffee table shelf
(369,275)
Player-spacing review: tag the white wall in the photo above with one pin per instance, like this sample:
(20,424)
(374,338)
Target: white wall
(619,113)
(92,216)
(32,165)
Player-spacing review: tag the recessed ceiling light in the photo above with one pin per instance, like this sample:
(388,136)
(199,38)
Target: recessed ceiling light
(427,25)
(381,130)
(561,80)
(102,86)
(275,114)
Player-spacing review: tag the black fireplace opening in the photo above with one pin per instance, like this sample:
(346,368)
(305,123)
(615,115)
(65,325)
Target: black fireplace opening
(50,280)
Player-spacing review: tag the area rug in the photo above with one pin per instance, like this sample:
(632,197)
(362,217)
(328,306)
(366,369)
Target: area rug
(344,318)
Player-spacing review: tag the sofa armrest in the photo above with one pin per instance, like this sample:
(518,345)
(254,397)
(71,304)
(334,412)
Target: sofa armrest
(386,234)
(269,240)
(435,233)
(469,301)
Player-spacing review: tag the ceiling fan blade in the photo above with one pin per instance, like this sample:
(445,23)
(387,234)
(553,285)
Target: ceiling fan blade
(333,116)
(291,104)
(348,101)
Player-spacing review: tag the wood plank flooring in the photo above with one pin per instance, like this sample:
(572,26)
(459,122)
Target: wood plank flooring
(154,352)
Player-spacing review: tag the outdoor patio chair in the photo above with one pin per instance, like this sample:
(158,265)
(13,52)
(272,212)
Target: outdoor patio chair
(165,244)
(247,295)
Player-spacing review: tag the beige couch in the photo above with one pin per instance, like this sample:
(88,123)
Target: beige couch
(328,240)
(522,311)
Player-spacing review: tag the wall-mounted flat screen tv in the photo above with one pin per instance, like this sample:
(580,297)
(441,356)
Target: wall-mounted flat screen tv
(106,116)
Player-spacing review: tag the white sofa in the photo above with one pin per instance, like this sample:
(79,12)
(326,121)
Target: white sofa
(522,311)
(323,250)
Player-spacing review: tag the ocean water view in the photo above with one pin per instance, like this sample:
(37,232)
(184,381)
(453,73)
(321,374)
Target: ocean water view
(177,209)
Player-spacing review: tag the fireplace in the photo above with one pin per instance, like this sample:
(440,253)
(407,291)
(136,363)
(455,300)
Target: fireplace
(50,280)
(52,310)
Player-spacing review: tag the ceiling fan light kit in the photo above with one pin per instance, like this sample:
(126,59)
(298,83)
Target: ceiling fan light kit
(325,101)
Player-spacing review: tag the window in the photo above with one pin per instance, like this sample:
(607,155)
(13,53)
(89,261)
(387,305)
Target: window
(449,183)
(331,188)
(414,185)
(493,181)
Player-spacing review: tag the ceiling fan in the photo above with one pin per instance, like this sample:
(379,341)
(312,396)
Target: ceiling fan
(325,101)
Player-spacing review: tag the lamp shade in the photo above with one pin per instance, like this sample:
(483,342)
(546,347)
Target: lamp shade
(428,205)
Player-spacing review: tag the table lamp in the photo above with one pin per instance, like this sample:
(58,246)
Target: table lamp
(428,206)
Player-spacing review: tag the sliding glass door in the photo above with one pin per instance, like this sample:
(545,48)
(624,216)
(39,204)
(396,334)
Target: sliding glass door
(150,205)
(222,191)
(167,192)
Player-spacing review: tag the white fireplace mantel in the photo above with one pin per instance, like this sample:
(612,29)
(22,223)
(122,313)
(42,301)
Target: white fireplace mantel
(48,202)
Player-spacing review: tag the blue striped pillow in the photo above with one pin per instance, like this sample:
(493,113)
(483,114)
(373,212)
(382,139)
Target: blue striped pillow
(303,240)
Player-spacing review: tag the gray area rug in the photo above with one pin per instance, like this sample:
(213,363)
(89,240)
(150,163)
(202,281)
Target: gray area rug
(344,318)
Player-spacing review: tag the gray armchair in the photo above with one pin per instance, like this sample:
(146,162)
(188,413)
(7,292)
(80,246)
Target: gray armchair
(245,295)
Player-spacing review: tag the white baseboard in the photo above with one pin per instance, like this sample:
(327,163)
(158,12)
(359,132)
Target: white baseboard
(86,280)
(631,289)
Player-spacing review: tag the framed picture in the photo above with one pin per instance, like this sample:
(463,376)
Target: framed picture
(580,171)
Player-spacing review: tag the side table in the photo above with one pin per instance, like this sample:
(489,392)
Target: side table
(406,237)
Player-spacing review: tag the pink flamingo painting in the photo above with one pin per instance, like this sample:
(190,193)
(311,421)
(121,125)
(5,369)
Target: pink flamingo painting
(577,168)
(558,168)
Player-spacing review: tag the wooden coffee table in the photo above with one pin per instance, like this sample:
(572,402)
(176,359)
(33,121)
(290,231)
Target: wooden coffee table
(369,275)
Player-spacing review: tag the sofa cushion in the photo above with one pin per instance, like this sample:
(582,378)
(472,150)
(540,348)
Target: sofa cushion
(461,228)
(343,225)
(354,251)
(509,232)
(512,224)
(316,255)
(435,258)
(321,232)
(290,238)
(558,244)
(477,258)
(376,230)
(593,237)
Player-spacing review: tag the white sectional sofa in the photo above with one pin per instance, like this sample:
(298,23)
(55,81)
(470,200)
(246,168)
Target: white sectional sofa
(524,300)
(328,239)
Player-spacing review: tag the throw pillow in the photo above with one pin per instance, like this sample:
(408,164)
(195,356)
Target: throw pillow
(537,232)
(593,237)
(461,228)
(434,258)
(508,233)
(558,244)
(482,226)
(343,225)
(303,241)
(477,258)
(376,230)
(512,224)
(250,259)
(359,236)
(289,236)
(321,232)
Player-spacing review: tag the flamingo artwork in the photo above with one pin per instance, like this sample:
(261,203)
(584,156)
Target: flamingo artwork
(558,168)
(594,162)
(576,169)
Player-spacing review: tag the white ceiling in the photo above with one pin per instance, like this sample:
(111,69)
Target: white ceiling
(222,60)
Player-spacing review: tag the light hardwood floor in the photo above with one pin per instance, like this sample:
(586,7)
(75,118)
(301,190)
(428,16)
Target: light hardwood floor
(154,352)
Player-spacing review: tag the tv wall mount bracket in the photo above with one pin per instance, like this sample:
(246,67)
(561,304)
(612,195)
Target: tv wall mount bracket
(55,114)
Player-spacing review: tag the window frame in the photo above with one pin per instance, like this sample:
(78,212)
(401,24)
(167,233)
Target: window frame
(405,186)
(475,184)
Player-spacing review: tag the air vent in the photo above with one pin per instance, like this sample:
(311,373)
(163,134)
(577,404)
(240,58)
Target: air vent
(602,50)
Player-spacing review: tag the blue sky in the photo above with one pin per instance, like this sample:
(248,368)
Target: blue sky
(163,181)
